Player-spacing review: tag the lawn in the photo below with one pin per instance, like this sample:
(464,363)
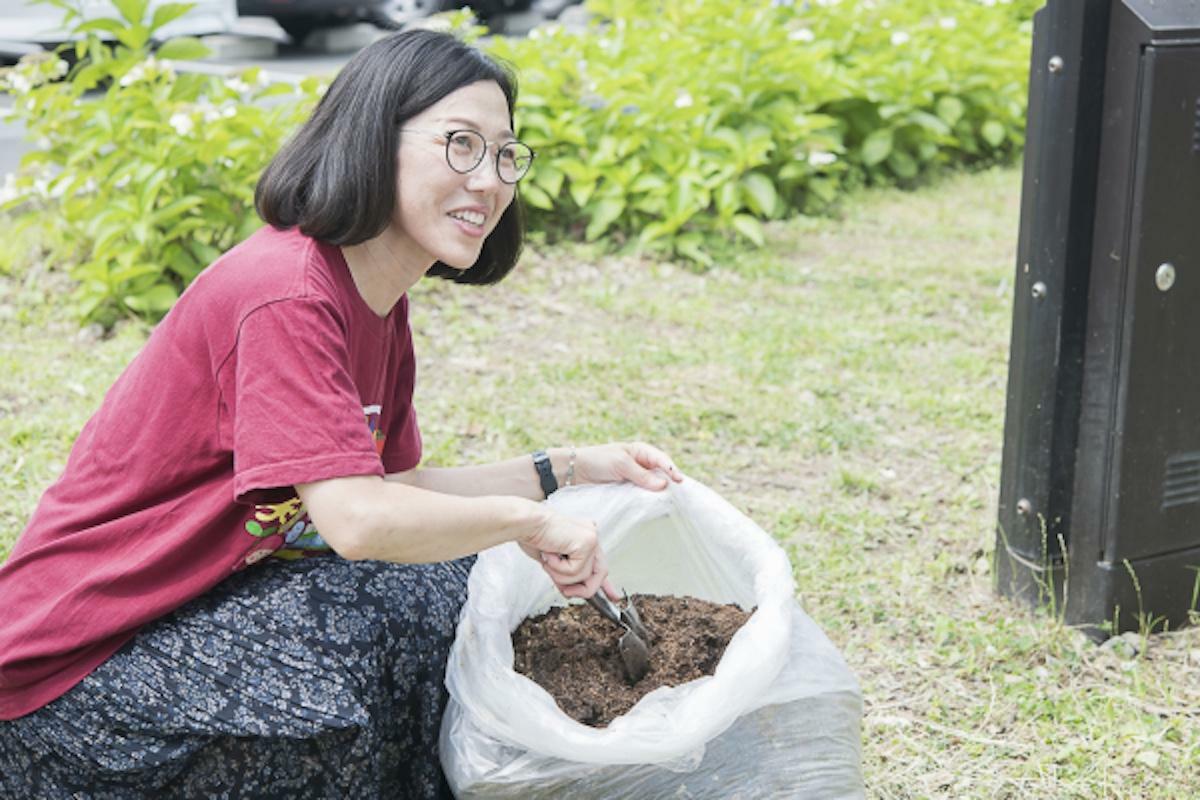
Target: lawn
(845,388)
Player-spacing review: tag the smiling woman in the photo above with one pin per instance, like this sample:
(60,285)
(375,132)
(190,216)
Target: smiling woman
(243,583)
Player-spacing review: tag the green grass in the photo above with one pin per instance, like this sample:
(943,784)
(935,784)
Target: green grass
(844,387)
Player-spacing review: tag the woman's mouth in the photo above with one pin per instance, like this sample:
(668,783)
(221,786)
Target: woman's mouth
(472,221)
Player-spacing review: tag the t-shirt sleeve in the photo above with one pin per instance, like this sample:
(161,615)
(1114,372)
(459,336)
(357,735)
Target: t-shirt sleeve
(402,447)
(296,414)
(402,451)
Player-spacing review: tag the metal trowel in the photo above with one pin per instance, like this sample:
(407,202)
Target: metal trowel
(635,653)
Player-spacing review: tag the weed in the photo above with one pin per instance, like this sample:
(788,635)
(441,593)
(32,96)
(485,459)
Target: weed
(1193,612)
(1147,623)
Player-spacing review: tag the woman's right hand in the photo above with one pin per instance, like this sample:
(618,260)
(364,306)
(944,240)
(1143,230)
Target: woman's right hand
(568,548)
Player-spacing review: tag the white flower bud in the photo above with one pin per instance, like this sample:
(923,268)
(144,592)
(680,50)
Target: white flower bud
(182,123)
(9,191)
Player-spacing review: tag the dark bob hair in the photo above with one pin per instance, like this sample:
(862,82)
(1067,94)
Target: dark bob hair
(335,179)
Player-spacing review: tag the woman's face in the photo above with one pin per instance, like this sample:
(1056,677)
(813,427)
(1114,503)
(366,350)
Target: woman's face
(443,215)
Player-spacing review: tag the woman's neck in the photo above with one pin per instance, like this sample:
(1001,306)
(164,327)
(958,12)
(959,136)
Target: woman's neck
(381,271)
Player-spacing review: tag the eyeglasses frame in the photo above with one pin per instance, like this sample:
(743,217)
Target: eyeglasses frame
(495,146)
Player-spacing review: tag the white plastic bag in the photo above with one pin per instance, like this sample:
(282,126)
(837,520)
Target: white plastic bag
(780,718)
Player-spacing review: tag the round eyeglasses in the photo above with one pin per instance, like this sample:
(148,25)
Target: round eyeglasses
(466,148)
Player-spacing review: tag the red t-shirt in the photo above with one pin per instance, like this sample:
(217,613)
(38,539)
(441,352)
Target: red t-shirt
(258,379)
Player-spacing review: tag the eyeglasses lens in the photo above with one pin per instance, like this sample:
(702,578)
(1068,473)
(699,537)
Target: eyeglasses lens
(464,150)
(513,161)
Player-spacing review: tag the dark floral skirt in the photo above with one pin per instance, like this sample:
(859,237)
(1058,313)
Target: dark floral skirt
(317,678)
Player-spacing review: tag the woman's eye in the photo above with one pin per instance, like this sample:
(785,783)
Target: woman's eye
(462,141)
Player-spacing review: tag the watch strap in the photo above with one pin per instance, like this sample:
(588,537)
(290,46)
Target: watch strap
(545,471)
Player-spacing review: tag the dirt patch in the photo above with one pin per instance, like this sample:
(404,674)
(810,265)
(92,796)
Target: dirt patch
(571,652)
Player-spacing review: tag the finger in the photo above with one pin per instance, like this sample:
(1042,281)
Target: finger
(651,458)
(559,571)
(599,581)
(563,569)
(667,466)
(647,479)
(575,590)
(647,455)
(582,590)
(673,472)
(593,584)
(567,586)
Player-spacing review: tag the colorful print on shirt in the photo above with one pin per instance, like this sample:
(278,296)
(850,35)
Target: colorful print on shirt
(374,414)
(284,530)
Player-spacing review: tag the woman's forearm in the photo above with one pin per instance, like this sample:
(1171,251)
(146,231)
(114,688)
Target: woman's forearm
(515,477)
(439,514)
(366,518)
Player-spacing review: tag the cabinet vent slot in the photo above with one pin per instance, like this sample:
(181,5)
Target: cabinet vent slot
(1196,129)
(1181,485)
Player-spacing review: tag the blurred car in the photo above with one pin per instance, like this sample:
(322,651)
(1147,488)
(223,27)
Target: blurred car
(301,17)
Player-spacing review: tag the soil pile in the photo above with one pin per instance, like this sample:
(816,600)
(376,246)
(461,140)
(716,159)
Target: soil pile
(571,652)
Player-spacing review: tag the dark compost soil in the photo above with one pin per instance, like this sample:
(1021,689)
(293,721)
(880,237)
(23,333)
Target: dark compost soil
(571,652)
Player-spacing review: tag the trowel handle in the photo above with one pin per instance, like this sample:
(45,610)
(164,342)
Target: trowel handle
(605,606)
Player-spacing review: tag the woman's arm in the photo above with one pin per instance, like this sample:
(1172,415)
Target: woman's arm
(438,514)
(366,517)
(516,477)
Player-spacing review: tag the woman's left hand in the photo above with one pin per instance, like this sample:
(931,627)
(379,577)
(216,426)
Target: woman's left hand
(636,462)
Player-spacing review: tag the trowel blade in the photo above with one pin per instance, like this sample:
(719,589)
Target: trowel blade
(635,655)
(630,616)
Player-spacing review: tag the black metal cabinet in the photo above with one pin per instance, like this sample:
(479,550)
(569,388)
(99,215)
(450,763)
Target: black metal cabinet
(1102,433)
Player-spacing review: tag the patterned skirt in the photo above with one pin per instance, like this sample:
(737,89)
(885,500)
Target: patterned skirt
(316,678)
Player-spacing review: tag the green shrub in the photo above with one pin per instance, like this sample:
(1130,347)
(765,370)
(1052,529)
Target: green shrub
(677,121)
(151,179)
(673,125)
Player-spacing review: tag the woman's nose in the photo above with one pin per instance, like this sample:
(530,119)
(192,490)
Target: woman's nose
(485,176)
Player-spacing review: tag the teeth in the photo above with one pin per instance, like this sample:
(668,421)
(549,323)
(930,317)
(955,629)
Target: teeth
(470,217)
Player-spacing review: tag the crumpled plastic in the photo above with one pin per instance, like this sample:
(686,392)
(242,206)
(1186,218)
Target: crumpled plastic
(780,718)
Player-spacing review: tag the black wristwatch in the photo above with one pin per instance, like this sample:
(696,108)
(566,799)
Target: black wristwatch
(541,463)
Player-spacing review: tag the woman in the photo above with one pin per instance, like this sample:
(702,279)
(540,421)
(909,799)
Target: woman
(164,632)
